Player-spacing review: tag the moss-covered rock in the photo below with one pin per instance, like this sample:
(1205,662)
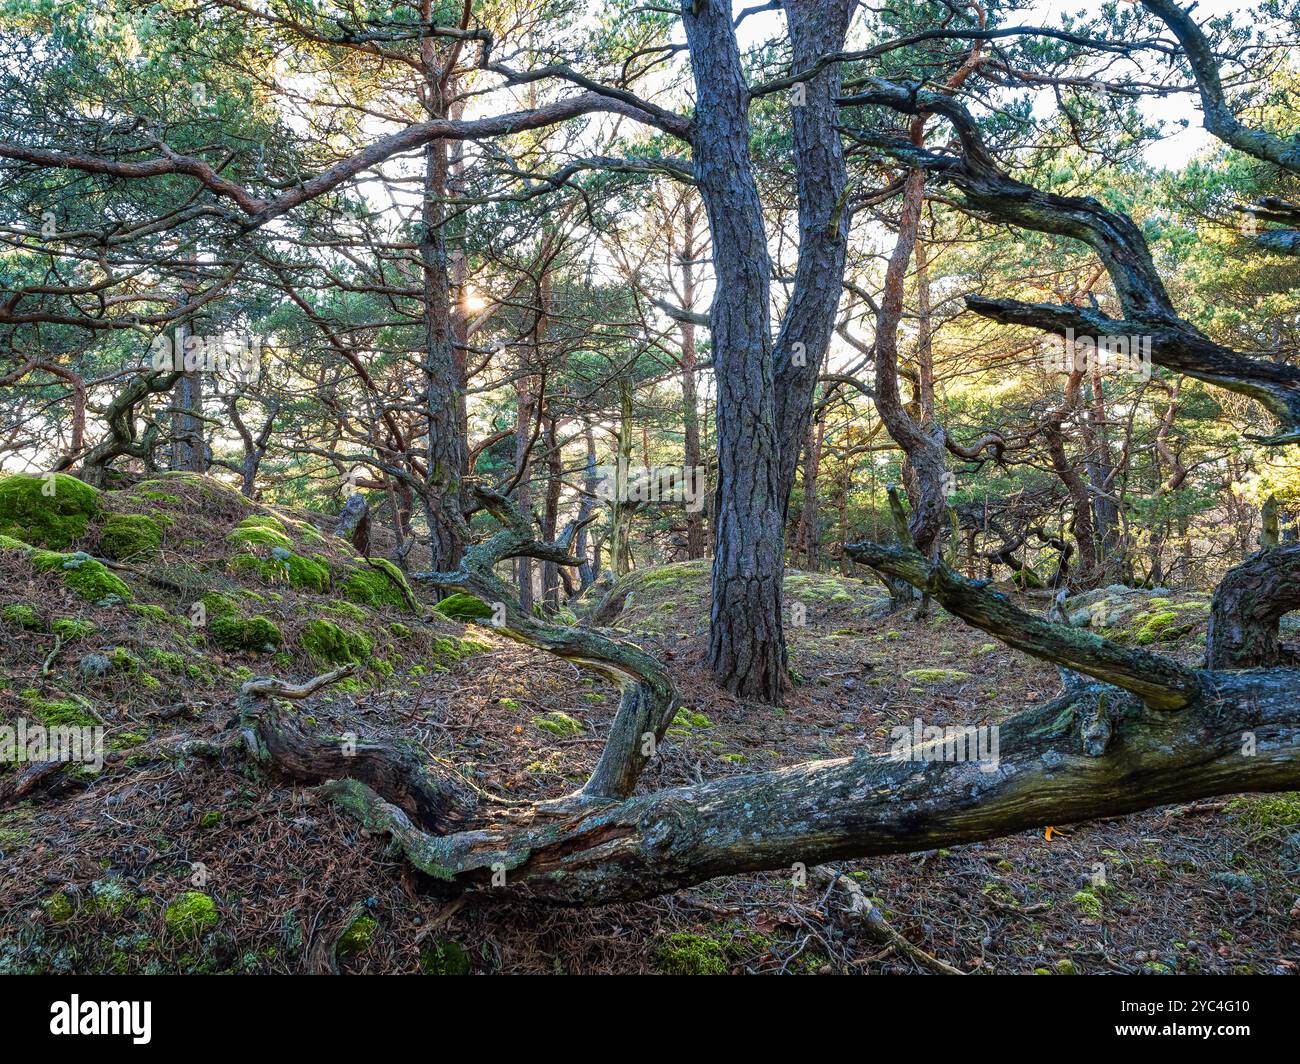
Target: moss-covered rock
(382,586)
(88,578)
(283,566)
(329,642)
(261,530)
(235,633)
(464,608)
(1159,625)
(130,535)
(191,914)
(50,511)
(446,652)
(232,632)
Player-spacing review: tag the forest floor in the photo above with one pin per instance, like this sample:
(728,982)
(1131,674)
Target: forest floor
(172,860)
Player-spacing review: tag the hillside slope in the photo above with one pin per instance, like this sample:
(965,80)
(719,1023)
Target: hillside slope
(181,855)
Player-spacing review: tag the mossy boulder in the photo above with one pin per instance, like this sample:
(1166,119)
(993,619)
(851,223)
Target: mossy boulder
(464,608)
(49,511)
(447,652)
(235,633)
(330,642)
(1159,625)
(283,566)
(384,585)
(232,632)
(88,578)
(130,535)
(261,530)
(191,914)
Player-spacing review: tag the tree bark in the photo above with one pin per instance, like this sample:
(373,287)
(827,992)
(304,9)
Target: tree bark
(746,642)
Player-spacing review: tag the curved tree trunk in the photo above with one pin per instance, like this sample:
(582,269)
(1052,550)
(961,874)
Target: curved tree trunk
(1253,596)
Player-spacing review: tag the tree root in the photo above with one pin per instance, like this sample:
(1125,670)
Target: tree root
(872,920)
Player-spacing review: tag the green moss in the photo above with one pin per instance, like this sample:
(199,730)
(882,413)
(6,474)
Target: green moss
(444,957)
(71,628)
(231,632)
(399,630)
(346,609)
(58,711)
(58,907)
(1088,903)
(217,604)
(687,718)
(1161,625)
(87,577)
(191,914)
(1267,811)
(50,511)
(159,496)
(126,740)
(557,722)
(168,660)
(128,535)
(683,953)
(449,651)
(287,567)
(327,641)
(937,675)
(357,937)
(23,616)
(376,588)
(210,819)
(151,613)
(464,608)
(261,530)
